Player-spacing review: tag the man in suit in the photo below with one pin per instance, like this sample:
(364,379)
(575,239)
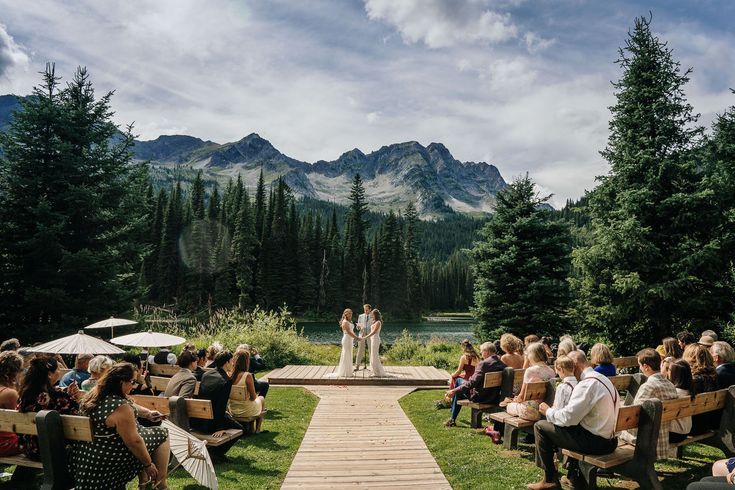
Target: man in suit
(363,326)
(474,389)
(183,383)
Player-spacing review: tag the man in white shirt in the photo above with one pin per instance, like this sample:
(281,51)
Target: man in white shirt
(364,322)
(586,424)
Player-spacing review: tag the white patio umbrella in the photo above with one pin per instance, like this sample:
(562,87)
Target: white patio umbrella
(110,323)
(191,454)
(148,339)
(79,343)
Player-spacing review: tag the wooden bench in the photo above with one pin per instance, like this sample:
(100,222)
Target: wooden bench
(638,461)
(167,370)
(250,423)
(625,362)
(545,391)
(505,380)
(53,431)
(180,410)
(159,384)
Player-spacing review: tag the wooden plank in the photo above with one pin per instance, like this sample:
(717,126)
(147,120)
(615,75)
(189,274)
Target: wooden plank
(518,376)
(159,383)
(628,418)
(625,362)
(685,407)
(77,428)
(20,423)
(167,370)
(152,403)
(535,391)
(621,382)
(20,460)
(200,409)
(493,380)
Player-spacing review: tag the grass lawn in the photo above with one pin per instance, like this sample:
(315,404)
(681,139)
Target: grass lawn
(262,461)
(470,460)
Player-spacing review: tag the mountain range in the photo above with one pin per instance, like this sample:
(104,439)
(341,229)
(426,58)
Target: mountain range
(392,175)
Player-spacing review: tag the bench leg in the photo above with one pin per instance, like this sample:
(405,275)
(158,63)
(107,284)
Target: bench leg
(476,418)
(589,473)
(679,452)
(510,437)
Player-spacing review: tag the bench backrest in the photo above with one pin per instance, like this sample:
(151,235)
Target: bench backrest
(621,382)
(493,380)
(625,362)
(628,417)
(163,369)
(200,409)
(75,427)
(159,384)
(686,407)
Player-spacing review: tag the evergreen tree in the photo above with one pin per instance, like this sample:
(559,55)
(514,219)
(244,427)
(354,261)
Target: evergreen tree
(242,252)
(169,259)
(413,297)
(647,270)
(197,246)
(355,243)
(68,252)
(521,264)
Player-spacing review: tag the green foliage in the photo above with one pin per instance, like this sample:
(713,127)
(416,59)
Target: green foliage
(657,256)
(73,209)
(521,266)
(406,350)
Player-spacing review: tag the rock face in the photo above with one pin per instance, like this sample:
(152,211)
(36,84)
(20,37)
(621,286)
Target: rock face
(393,175)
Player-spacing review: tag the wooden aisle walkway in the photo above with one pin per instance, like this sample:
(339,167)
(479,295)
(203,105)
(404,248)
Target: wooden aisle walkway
(360,437)
(322,375)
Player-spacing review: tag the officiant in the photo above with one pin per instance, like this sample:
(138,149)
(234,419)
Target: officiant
(364,322)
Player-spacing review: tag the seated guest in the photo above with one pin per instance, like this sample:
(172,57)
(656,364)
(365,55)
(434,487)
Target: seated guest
(602,360)
(538,371)
(723,477)
(704,380)
(97,367)
(474,389)
(10,345)
(241,376)
(724,359)
(79,374)
(586,424)
(190,347)
(680,375)
(528,340)
(706,341)
(37,393)
(201,364)
(685,338)
(672,348)
(710,333)
(183,383)
(566,346)
(547,346)
(11,365)
(163,357)
(256,364)
(513,348)
(122,449)
(142,384)
(564,367)
(655,386)
(467,363)
(212,352)
(215,386)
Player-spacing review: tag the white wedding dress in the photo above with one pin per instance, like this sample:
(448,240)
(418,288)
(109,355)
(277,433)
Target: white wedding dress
(375,365)
(344,369)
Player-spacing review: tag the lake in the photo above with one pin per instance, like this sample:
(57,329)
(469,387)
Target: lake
(329,332)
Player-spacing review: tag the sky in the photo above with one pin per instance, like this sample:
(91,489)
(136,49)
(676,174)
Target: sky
(522,84)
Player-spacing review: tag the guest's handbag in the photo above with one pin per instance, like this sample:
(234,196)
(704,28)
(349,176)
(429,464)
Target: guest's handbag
(529,410)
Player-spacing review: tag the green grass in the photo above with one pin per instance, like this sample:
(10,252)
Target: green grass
(262,461)
(470,460)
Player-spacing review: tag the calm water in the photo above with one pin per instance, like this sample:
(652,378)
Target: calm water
(329,333)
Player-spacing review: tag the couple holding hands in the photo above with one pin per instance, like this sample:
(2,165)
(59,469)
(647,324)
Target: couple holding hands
(369,325)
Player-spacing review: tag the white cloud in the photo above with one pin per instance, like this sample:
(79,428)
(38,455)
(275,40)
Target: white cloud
(535,43)
(443,23)
(372,117)
(12,56)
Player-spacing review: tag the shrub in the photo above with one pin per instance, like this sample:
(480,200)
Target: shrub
(404,348)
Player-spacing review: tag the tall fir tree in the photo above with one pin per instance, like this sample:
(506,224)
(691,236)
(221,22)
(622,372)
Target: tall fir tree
(355,242)
(410,246)
(67,253)
(521,265)
(243,244)
(647,271)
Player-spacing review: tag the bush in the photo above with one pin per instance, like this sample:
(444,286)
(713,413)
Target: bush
(438,353)
(404,348)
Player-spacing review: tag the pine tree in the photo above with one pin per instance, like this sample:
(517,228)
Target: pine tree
(646,271)
(67,250)
(242,252)
(355,242)
(521,264)
(413,298)
(169,259)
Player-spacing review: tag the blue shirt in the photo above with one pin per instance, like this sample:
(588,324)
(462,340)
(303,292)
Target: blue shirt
(605,369)
(78,375)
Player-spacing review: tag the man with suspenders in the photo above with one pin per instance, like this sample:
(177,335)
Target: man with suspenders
(586,424)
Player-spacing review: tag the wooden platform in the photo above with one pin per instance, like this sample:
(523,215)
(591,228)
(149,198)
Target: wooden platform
(360,437)
(397,376)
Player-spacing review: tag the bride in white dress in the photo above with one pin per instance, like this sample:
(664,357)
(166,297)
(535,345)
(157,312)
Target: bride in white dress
(344,369)
(375,365)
